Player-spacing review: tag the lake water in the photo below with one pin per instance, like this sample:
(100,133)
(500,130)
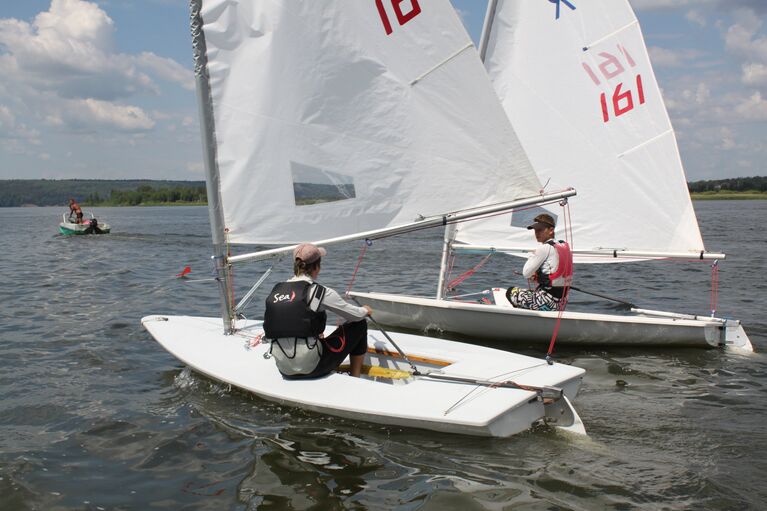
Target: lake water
(95,415)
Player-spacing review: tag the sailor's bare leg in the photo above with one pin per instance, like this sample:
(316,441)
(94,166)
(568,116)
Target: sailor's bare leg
(356,365)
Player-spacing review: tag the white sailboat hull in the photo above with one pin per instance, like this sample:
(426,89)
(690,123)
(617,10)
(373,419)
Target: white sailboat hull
(520,327)
(418,402)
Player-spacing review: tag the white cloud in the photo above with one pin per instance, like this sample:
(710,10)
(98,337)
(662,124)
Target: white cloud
(92,112)
(688,99)
(67,50)
(7,119)
(741,39)
(76,20)
(753,108)
(197,169)
(65,57)
(728,139)
(15,134)
(167,69)
(664,57)
(648,5)
(755,74)
(696,17)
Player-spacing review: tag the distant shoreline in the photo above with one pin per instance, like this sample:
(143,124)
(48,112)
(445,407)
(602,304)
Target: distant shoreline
(142,205)
(729,195)
(726,195)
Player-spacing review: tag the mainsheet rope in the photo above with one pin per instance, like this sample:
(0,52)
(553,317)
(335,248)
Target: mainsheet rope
(714,286)
(566,292)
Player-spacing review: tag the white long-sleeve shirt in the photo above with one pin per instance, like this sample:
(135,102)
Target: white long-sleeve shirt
(544,256)
(335,304)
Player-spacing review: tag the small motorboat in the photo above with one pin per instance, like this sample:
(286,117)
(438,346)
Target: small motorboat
(89,226)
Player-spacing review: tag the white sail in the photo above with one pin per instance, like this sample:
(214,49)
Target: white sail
(576,82)
(332,118)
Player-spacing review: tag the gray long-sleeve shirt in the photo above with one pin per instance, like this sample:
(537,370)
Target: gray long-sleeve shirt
(335,304)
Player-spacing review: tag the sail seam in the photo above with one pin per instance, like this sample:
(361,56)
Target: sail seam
(451,57)
(649,141)
(593,43)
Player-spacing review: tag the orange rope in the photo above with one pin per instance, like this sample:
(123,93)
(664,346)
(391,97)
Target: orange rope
(359,262)
(455,282)
(566,292)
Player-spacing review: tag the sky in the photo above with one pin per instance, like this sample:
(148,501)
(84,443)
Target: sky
(104,89)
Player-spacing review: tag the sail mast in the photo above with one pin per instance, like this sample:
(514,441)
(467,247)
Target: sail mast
(212,182)
(487,27)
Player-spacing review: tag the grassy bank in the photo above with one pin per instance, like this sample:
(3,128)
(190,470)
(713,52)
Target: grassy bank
(729,195)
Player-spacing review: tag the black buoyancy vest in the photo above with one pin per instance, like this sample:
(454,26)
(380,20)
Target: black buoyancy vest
(292,310)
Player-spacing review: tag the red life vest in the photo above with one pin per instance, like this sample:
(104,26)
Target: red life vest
(555,282)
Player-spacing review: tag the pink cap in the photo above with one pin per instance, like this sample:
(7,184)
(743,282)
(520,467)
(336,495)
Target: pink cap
(308,253)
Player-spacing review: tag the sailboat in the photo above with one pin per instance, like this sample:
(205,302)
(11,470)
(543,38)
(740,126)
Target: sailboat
(348,120)
(577,84)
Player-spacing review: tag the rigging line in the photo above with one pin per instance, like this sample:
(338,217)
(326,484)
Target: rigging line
(606,297)
(458,280)
(566,291)
(488,385)
(463,399)
(470,44)
(249,295)
(450,265)
(364,249)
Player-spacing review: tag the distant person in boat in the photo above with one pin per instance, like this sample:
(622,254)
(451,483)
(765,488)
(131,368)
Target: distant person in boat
(551,267)
(295,318)
(74,209)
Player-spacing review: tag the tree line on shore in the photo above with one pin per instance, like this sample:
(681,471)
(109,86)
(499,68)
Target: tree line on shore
(737,184)
(145,194)
(99,192)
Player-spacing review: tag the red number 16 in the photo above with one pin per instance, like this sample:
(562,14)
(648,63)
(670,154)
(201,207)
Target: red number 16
(402,18)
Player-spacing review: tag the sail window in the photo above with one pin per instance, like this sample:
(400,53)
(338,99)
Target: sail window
(526,217)
(312,185)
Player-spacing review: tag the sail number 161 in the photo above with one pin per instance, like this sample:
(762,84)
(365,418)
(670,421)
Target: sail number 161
(610,66)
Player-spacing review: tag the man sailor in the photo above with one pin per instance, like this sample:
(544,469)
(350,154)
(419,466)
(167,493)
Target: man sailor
(295,320)
(550,266)
(74,209)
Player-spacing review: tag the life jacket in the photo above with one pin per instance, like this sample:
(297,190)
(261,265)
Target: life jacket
(292,310)
(555,283)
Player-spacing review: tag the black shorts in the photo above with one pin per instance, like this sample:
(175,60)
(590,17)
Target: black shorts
(347,339)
